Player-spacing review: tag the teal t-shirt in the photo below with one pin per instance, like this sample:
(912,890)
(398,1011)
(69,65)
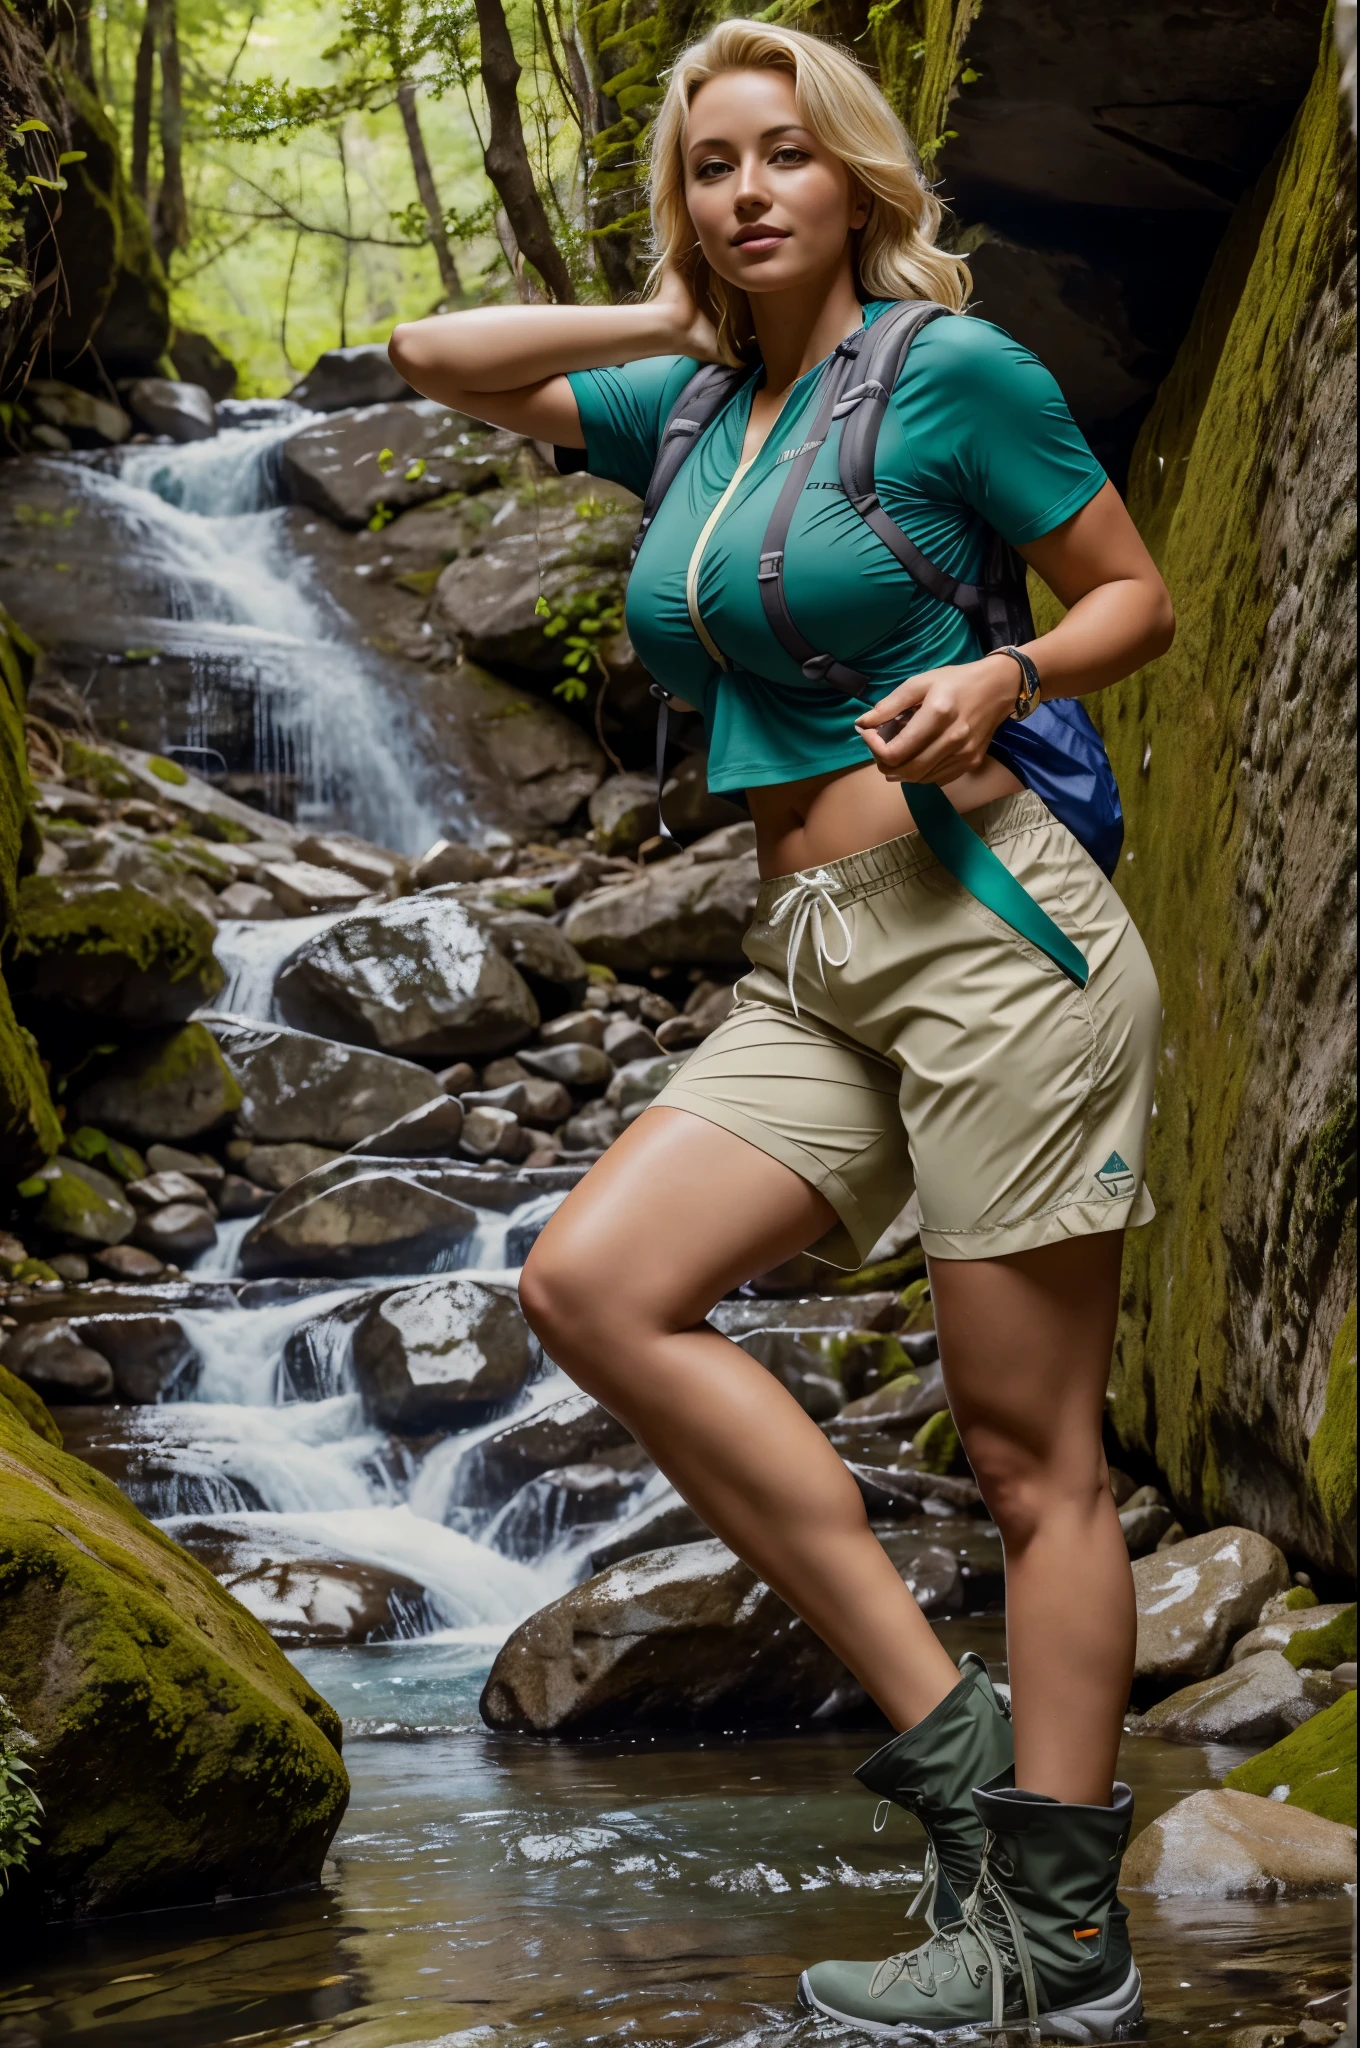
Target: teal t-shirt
(977,431)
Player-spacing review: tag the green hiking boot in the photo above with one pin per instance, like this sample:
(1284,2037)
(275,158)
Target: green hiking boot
(932,1770)
(1042,1945)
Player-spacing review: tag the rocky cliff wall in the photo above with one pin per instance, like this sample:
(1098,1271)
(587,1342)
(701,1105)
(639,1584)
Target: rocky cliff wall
(1236,757)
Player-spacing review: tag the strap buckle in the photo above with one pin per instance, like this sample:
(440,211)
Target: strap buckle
(857,392)
(771,566)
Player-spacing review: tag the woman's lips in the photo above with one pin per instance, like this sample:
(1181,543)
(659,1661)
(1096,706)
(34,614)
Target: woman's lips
(760,238)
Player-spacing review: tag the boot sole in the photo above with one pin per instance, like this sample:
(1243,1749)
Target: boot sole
(1116,2017)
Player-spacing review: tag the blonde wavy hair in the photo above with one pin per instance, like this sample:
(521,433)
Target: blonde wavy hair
(895,252)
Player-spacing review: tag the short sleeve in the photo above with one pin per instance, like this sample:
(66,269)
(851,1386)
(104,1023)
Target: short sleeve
(986,423)
(623,412)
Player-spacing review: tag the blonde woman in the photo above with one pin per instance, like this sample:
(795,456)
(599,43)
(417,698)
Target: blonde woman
(894,1030)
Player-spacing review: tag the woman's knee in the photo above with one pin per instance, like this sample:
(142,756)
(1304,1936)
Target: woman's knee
(559,1292)
(1025,1484)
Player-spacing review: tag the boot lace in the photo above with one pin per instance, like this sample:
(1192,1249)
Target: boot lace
(922,1906)
(991,1919)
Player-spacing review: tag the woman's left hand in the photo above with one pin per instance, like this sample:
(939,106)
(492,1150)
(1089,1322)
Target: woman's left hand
(938,726)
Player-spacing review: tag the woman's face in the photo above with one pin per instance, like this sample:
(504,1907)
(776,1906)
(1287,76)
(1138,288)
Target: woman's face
(771,206)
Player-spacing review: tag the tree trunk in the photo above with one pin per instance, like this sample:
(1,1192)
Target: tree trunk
(429,193)
(143,93)
(172,210)
(507,159)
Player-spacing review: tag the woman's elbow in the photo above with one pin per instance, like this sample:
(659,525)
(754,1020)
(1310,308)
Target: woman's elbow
(404,351)
(1162,625)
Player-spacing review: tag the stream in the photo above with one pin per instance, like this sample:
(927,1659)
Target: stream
(485,1889)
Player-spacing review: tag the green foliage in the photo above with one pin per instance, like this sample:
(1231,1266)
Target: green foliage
(582,622)
(1322,1649)
(20,1806)
(1316,1763)
(97,1148)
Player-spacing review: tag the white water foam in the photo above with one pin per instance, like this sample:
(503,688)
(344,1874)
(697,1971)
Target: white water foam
(251,954)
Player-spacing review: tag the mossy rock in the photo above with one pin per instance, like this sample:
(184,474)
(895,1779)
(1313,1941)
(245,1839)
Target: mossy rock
(173,1087)
(112,950)
(18,1402)
(29,1130)
(938,1445)
(1322,1649)
(1331,1451)
(125,1162)
(1316,1762)
(178,1753)
(83,1207)
(101,774)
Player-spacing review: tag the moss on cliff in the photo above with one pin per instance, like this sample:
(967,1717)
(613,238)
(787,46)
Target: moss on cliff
(179,1754)
(19,1404)
(29,1130)
(1331,1454)
(1237,832)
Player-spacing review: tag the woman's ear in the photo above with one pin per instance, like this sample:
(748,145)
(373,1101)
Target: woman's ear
(861,204)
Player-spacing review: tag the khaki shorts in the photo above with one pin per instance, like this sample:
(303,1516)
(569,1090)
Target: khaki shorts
(894,1034)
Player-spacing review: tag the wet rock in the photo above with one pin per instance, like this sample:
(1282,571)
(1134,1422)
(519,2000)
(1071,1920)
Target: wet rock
(593,1130)
(575,1027)
(931,1572)
(800,1361)
(157,1190)
(114,951)
(546,1103)
(83,1206)
(568,1432)
(149,1354)
(876,1311)
(418,976)
(356,1217)
(1144,1527)
(275,1167)
(130,1262)
(974,1546)
(626,1040)
(558,1501)
(395,456)
(685,910)
(522,759)
(680,1638)
(432,1131)
(549,964)
(494,1134)
(360,859)
(87,421)
(70,1266)
(344,377)
(701,1016)
(457,1079)
(640,1082)
(301,889)
(441,1355)
(176,1086)
(893,1492)
(574,1065)
(450,861)
(178,1755)
(308,1602)
(179,1231)
(294,1087)
(668,1522)
(623,812)
(1195,1599)
(51,1358)
(901,1403)
(1284,1629)
(247,900)
(1256,1701)
(183,411)
(198,360)
(1225,1844)
(198,1166)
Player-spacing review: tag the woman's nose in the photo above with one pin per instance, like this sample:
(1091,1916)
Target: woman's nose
(753,191)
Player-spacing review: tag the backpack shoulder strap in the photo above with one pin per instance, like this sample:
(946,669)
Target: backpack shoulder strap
(698,405)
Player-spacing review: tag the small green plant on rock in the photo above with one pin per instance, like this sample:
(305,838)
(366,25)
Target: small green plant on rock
(20,1806)
(586,620)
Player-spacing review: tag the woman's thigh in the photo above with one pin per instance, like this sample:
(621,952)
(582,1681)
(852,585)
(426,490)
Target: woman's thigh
(673,1216)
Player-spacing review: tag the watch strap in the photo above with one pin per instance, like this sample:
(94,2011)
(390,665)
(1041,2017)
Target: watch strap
(1031,689)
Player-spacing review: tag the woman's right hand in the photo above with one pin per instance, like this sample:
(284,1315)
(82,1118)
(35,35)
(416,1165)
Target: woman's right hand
(695,334)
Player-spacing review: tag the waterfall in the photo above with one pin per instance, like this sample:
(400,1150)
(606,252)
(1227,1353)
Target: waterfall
(251,955)
(205,554)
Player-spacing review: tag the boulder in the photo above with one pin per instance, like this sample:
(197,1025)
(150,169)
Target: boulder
(659,1527)
(443,1355)
(800,1361)
(198,1166)
(239,1197)
(112,950)
(310,1602)
(149,1354)
(130,1262)
(550,965)
(343,377)
(593,1130)
(568,1432)
(431,1131)
(1256,1701)
(86,421)
(681,1638)
(358,858)
(276,1167)
(575,1027)
(158,1190)
(83,1206)
(178,1756)
(183,411)
(448,860)
(574,1065)
(355,1217)
(180,1231)
(623,812)
(393,456)
(899,1406)
(294,1087)
(1197,1598)
(51,1358)
(518,757)
(1144,1527)
(1285,1631)
(566,1498)
(490,1133)
(550,555)
(1313,1768)
(627,1040)
(418,976)
(682,910)
(1226,1844)
(174,1086)
(896,1493)
(198,360)
(301,889)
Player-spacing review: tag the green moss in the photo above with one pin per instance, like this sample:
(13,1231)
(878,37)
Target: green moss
(191,856)
(178,1753)
(29,1270)
(29,1129)
(19,1399)
(59,914)
(1322,1649)
(72,1207)
(166,771)
(937,1443)
(1331,1453)
(1299,1598)
(1316,1762)
(890,1273)
(100,773)
(1179,735)
(96,1147)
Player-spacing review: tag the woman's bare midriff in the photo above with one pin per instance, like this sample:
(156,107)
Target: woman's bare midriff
(824,817)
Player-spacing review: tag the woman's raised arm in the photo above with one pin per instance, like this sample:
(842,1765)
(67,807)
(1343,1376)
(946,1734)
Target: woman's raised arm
(506,364)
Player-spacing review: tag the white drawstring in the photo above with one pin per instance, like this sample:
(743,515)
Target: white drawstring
(805,901)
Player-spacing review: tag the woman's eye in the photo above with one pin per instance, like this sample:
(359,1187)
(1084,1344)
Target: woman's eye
(790,155)
(713,168)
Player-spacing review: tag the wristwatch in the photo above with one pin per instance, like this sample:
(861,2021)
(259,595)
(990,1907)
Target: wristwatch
(1030,687)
